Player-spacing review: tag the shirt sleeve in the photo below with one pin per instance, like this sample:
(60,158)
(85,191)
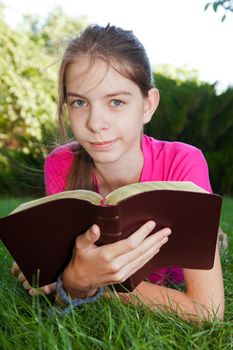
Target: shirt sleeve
(56,170)
(193,167)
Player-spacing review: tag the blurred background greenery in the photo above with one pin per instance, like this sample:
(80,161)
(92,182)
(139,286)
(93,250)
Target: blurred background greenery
(190,110)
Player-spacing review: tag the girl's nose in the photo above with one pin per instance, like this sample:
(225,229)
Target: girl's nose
(97,120)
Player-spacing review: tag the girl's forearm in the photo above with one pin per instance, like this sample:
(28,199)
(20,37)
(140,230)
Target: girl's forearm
(159,297)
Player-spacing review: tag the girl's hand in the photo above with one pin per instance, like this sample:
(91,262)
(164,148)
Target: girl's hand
(92,266)
(15,270)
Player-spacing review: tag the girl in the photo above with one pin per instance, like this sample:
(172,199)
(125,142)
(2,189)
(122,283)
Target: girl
(107,92)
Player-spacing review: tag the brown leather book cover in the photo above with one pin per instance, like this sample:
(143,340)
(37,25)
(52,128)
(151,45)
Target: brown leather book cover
(42,237)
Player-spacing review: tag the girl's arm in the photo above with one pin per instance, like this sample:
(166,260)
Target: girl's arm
(203,298)
(93,266)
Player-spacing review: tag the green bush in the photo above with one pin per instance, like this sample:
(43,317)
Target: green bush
(28,79)
(193,112)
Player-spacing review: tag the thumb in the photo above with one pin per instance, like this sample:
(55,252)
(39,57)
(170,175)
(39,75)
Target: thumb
(49,288)
(88,239)
(15,270)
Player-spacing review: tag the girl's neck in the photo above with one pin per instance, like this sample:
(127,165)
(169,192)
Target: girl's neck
(112,177)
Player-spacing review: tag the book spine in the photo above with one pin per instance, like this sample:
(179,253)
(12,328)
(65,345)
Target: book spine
(108,219)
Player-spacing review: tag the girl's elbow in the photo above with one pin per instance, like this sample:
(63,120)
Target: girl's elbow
(212,314)
(203,314)
(217,313)
(209,312)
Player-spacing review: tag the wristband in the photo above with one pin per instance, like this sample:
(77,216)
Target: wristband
(72,303)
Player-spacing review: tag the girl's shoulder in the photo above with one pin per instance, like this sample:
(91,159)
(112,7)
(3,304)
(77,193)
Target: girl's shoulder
(169,148)
(57,166)
(61,156)
(59,152)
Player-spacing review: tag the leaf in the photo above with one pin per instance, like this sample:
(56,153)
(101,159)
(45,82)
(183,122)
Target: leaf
(215,6)
(206,6)
(223,18)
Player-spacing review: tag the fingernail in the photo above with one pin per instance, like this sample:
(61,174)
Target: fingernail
(168,232)
(151,225)
(93,233)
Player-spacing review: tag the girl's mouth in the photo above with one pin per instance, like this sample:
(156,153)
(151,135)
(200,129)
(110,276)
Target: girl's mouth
(102,145)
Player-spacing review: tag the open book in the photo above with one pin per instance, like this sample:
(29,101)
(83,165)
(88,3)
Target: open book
(40,234)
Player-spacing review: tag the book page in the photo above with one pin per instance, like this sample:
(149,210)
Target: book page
(133,189)
(90,196)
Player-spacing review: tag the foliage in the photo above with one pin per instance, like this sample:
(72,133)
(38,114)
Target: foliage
(177,73)
(192,112)
(107,324)
(53,31)
(227,5)
(28,79)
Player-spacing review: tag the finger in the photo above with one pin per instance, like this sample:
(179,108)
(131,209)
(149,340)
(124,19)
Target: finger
(26,285)
(45,289)
(141,254)
(136,264)
(125,245)
(21,277)
(154,242)
(50,288)
(34,291)
(88,239)
(121,273)
(15,269)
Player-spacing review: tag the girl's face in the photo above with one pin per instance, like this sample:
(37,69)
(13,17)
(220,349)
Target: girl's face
(107,111)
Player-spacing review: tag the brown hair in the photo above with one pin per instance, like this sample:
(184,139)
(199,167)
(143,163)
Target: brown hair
(111,44)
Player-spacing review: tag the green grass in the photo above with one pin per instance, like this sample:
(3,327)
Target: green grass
(106,324)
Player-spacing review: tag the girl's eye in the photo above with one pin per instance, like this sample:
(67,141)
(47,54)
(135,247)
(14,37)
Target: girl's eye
(116,103)
(78,104)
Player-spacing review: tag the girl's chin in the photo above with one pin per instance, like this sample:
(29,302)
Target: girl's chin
(104,157)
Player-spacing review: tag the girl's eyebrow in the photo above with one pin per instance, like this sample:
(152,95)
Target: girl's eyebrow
(118,93)
(112,94)
(74,94)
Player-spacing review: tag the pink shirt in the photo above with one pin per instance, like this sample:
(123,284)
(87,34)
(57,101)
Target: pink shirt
(163,161)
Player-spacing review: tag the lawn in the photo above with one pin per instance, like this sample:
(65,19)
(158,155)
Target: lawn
(106,324)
